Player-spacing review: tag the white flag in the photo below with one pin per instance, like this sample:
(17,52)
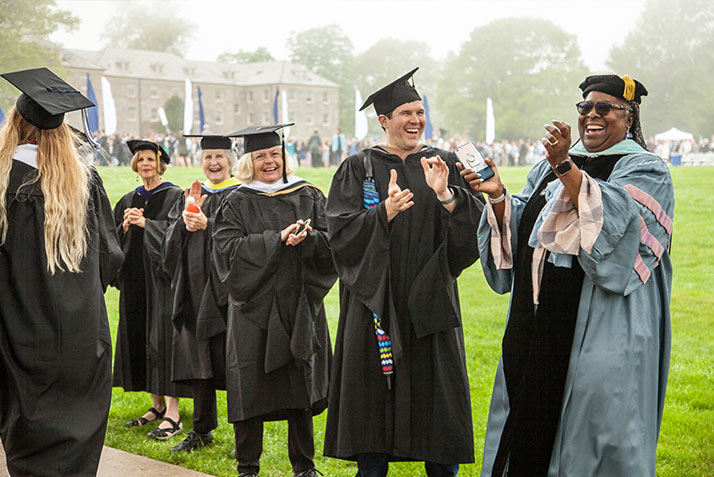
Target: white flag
(284,111)
(110,109)
(188,108)
(490,122)
(360,118)
(162,117)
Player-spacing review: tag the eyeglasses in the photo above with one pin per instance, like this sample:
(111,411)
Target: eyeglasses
(601,107)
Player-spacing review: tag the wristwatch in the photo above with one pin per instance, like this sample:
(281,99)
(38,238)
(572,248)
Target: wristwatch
(563,168)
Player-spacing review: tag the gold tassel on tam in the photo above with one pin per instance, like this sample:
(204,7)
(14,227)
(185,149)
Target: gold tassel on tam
(629,92)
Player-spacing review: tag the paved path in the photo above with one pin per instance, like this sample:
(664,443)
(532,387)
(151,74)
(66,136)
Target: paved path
(116,463)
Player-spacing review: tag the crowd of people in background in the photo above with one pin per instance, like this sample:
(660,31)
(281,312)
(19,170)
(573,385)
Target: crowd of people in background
(318,151)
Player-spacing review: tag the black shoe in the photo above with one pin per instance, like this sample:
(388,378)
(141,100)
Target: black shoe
(308,473)
(193,441)
(142,421)
(163,433)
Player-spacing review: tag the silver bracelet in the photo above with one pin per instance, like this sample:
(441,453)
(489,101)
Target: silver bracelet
(450,199)
(499,199)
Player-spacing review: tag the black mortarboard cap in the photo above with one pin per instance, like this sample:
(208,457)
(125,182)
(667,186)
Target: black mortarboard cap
(45,97)
(260,137)
(396,93)
(263,137)
(212,141)
(620,87)
(136,145)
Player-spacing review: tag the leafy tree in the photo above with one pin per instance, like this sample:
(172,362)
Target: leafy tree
(670,51)
(132,27)
(174,113)
(24,28)
(327,51)
(531,69)
(260,54)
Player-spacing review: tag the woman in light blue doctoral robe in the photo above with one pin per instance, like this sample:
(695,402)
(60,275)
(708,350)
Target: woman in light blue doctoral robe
(616,373)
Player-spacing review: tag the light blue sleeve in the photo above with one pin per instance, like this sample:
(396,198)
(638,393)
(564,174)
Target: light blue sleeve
(624,254)
(502,280)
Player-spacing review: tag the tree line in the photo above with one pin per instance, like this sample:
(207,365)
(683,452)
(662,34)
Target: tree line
(530,67)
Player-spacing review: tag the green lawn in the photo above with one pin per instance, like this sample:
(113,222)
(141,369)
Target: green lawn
(686,443)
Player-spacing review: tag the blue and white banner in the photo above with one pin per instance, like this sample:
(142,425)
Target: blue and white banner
(275,106)
(93,112)
(428,128)
(201,117)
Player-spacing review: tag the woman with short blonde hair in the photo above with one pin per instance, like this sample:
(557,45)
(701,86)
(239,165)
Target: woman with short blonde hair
(58,252)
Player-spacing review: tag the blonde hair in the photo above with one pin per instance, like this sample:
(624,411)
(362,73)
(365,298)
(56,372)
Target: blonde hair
(244,169)
(64,180)
(160,167)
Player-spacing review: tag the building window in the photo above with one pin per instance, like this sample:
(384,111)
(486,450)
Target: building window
(266,95)
(251,118)
(325,97)
(291,116)
(130,90)
(219,95)
(325,119)
(291,95)
(250,97)
(265,118)
(218,117)
(153,91)
(154,114)
(131,113)
(174,92)
(308,118)
(236,108)
(308,96)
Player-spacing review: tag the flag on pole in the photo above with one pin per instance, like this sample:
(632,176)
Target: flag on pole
(284,112)
(2,116)
(490,122)
(201,117)
(162,117)
(188,108)
(428,128)
(110,109)
(275,106)
(361,128)
(93,112)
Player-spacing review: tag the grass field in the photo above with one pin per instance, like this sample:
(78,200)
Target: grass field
(686,442)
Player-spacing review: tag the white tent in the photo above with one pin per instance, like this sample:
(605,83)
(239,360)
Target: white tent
(674,134)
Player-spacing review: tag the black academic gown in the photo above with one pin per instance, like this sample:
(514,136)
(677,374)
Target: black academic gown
(278,349)
(200,299)
(55,345)
(145,332)
(405,271)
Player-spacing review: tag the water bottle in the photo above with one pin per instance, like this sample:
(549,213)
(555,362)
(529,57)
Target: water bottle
(191,207)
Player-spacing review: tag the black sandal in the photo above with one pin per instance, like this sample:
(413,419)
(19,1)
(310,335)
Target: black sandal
(166,432)
(142,421)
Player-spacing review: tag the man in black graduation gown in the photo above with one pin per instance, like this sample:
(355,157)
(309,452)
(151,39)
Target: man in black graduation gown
(398,262)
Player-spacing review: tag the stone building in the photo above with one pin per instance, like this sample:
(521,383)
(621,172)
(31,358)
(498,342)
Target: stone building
(234,96)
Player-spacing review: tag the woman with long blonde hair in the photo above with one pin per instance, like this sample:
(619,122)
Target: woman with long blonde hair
(145,332)
(58,252)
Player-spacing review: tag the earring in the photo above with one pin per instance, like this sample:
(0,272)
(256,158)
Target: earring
(629,134)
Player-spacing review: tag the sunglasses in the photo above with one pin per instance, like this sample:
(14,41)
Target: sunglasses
(601,107)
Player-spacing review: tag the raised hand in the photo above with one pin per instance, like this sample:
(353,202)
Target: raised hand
(398,200)
(556,142)
(436,174)
(195,220)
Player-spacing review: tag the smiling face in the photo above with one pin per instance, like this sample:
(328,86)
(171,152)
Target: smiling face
(147,165)
(268,164)
(215,165)
(601,132)
(405,126)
